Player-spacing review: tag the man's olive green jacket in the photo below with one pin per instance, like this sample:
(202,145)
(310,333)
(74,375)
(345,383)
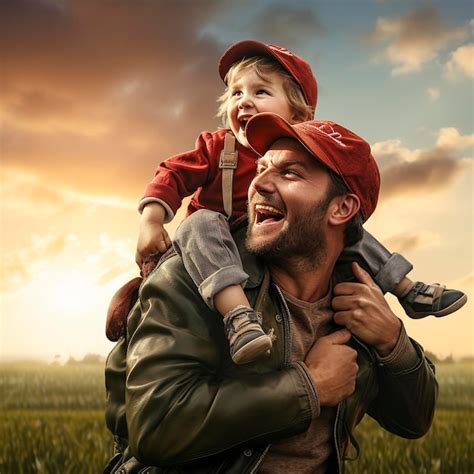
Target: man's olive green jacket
(177,403)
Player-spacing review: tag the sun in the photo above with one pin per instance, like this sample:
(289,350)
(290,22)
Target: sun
(69,291)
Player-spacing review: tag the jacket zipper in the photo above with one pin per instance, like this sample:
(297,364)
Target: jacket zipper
(259,460)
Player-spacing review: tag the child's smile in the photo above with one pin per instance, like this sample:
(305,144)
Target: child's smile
(252,94)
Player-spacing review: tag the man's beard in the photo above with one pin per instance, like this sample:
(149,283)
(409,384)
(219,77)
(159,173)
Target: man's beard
(301,243)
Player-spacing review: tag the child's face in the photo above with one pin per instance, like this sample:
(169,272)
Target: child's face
(251,95)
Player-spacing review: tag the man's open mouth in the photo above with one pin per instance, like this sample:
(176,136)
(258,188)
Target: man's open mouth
(265,214)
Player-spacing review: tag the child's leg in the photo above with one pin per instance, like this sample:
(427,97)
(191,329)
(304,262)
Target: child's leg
(387,269)
(390,273)
(212,260)
(210,256)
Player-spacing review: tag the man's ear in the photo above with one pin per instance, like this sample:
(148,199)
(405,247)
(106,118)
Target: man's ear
(343,208)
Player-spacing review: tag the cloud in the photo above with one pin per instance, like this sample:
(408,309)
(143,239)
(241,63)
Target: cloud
(408,242)
(414,39)
(110,274)
(423,170)
(293,25)
(466,281)
(107,89)
(450,139)
(21,192)
(18,267)
(427,174)
(102,260)
(461,63)
(433,93)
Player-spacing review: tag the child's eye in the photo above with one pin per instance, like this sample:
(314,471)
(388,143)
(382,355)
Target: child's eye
(263,91)
(236,93)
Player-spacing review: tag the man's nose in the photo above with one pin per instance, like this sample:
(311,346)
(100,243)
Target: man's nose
(263,183)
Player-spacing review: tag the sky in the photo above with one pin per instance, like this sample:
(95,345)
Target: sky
(95,94)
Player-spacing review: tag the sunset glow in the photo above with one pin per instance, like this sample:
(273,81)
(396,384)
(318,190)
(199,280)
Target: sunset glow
(96,94)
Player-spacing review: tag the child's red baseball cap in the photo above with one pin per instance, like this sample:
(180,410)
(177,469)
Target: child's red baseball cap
(336,147)
(297,67)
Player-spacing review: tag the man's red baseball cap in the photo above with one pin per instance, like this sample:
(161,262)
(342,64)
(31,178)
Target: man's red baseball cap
(297,67)
(341,150)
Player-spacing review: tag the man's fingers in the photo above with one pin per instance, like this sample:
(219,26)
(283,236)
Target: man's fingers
(362,275)
(339,337)
(342,318)
(341,303)
(345,288)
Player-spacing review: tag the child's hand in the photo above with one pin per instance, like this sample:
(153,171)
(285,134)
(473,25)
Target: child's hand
(152,236)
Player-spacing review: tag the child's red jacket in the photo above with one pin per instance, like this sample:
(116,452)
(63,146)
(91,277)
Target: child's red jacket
(197,171)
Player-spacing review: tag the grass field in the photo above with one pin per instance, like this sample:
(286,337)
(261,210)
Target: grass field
(51,421)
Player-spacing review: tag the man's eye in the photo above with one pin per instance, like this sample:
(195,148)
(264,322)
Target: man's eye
(290,172)
(260,169)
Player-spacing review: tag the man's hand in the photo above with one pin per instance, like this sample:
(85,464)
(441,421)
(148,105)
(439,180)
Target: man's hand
(152,236)
(362,309)
(333,367)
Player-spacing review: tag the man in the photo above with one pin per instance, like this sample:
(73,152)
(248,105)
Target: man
(175,399)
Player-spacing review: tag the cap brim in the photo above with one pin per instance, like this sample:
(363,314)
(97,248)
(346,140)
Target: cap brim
(243,49)
(266,128)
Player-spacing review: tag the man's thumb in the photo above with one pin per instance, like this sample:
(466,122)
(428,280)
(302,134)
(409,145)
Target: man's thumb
(361,274)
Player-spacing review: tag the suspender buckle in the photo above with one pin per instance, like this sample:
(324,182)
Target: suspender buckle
(228,160)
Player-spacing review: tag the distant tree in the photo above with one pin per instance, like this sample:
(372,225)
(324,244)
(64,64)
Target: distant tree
(72,361)
(92,359)
(449,359)
(432,356)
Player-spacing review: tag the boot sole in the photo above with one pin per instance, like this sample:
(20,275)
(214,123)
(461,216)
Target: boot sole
(253,349)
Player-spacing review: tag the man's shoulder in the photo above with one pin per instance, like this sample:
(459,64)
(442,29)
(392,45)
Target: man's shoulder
(170,270)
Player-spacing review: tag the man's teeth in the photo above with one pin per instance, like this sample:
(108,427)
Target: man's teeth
(268,209)
(267,213)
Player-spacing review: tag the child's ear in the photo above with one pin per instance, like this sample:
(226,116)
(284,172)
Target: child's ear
(343,208)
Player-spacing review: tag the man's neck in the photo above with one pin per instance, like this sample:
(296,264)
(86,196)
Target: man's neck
(307,285)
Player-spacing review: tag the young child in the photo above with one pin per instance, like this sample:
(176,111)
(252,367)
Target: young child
(259,78)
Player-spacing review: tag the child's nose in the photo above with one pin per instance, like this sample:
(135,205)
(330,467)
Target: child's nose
(245,101)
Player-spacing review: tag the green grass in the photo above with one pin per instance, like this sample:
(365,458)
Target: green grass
(52,421)
(38,386)
(447,448)
(456,385)
(53,442)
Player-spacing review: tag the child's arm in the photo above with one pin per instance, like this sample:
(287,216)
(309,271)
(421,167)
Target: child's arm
(152,236)
(177,177)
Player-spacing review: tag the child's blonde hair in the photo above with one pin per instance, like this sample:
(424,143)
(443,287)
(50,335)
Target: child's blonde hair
(264,66)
